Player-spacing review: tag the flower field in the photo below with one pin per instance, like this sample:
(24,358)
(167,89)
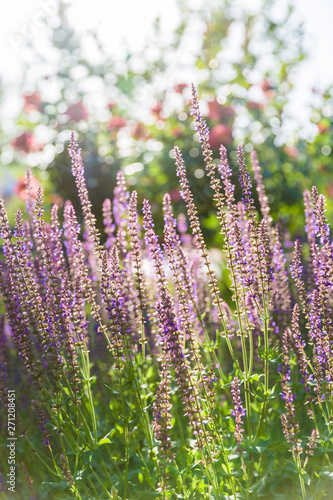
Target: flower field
(127,374)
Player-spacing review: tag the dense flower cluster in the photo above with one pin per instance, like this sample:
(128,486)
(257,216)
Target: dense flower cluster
(128,340)
(238,412)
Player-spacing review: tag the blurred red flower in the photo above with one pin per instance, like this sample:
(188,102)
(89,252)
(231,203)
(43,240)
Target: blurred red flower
(291,151)
(116,123)
(268,88)
(180,87)
(26,142)
(255,106)
(139,131)
(157,108)
(219,113)
(57,200)
(32,102)
(220,134)
(267,85)
(77,112)
(21,185)
(175,195)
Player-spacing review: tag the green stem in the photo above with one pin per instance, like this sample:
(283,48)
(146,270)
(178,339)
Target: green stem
(90,398)
(126,458)
(185,493)
(247,389)
(300,476)
(100,482)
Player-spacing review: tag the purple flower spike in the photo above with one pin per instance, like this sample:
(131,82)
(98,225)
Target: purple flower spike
(238,412)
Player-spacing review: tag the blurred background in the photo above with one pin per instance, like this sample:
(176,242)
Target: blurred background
(118,73)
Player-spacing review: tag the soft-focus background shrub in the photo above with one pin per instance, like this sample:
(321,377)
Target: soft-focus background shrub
(131,111)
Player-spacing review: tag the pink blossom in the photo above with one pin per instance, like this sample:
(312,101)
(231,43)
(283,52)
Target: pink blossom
(26,142)
(218,113)
(268,88)
(116,123)
(77,112)
(220,134)
(157,108)
(180,87)
(255,106)
(32,102)
(139,131)
(291,151)
(175,195)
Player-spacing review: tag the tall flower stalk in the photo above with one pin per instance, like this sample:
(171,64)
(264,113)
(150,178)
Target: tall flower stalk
(139,378)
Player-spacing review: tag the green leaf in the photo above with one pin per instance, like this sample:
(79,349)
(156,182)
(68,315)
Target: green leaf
(81,474)
(254,378)
(327,472)
(278,445)
(95,457)
(104,441)
(112,390)
(224,467)
(56,486)
(86,457)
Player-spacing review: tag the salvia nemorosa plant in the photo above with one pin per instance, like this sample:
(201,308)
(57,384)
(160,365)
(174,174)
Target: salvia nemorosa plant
(135,377)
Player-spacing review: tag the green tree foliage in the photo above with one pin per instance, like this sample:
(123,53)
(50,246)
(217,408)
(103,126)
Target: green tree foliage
(244,63)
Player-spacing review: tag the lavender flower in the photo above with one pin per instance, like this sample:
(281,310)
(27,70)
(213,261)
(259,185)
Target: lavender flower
(182,229)
(322,344)
(109,227)
(58,259)
(30,203)
(298,345)
(296,272)
(29,481)
(170,336)
(179,265)
(109,296)
(309,217)
(79,273)
(197,233)
(170,343)
(59,286)
(312,443)
(225,171)
(203,133)
(65,469)
(137,255)
(155,251)
(42,422)
(120,212)
(238,412)
(161,415)
(289,421)
(263,199)
(78,174)
(321,226)
(245,181)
